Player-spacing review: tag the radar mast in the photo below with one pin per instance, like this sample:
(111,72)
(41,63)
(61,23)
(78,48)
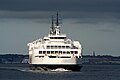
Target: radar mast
(55,28)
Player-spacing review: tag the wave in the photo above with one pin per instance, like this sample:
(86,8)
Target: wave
(53,70)
(60,69)
(29,70)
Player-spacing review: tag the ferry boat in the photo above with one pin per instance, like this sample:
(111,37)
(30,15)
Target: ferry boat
(55,51)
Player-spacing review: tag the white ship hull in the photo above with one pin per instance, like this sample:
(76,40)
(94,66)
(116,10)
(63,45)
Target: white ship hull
(51,67)
(46,63)
(47,60)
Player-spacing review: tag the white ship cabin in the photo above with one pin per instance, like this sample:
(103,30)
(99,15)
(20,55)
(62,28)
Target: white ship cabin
(55,45)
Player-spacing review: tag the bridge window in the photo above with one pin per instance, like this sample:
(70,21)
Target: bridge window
(57,37)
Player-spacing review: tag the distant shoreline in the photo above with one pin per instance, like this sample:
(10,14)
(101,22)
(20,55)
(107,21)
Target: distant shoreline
(86,60)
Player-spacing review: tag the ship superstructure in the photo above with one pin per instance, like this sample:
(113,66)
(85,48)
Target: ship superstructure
(55,51)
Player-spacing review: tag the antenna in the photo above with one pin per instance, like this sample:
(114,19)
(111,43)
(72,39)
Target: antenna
(57,21)
(52,23)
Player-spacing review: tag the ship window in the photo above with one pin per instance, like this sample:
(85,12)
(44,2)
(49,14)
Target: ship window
(52,56)
(48,47)
(56,52)
(76,56)
(71,52)
(52,52)
(51,47)
(61,37)
(41,56)
(59,47)
(76,52)
(67,47)
(63,47)
(55,47)
(57,37)
(65,57)
(64,52)
(60,52)
(36,56)
(68,52)
(46,39)
(48,52)
(44,52)
(51,37)
(40,52)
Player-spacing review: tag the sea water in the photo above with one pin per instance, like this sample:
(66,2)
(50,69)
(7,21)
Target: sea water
(88,72)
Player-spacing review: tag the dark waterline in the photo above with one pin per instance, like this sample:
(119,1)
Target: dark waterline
(88,72)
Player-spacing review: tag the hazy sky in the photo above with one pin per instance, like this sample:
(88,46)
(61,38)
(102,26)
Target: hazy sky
(95,23)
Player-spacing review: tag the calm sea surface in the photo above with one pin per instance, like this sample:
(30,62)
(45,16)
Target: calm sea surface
(88,72)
